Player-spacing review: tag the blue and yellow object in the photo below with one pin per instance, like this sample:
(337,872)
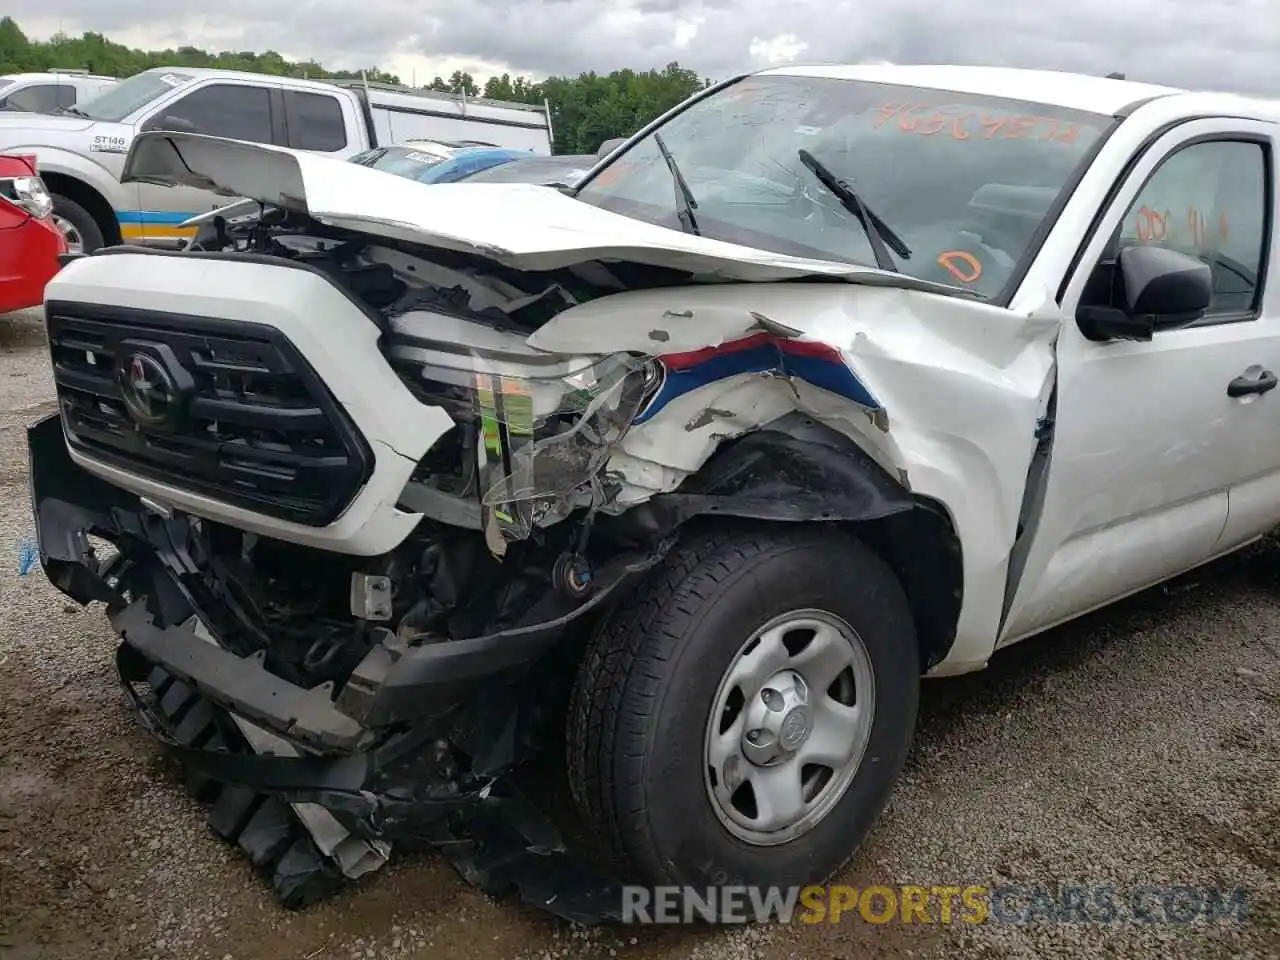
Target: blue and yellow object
(154,225)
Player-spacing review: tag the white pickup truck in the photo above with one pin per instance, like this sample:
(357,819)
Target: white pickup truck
(830,379)
(80,152)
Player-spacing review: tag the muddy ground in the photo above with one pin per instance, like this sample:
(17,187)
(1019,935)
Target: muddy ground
(1139,747)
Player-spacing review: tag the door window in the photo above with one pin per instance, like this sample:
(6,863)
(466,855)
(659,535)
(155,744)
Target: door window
(315,122)
(40,98)
(1209,200)
(234,111)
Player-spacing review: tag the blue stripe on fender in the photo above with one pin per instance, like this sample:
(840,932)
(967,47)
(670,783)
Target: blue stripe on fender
(814,363)
(152,218)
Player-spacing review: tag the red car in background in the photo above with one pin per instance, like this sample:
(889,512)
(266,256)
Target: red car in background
(29,241)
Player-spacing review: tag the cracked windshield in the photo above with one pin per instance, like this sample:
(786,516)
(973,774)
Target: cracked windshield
(951,187)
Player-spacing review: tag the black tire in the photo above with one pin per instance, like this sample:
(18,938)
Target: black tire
(651,672)
(81,219)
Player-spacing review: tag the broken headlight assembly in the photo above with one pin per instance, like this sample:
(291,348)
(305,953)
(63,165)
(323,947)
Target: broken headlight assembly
(540,426)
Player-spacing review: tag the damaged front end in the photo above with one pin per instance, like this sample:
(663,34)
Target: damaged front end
(329,704)
(319,737)
(533,429)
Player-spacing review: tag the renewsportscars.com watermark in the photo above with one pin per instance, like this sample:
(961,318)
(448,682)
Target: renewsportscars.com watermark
(935,904)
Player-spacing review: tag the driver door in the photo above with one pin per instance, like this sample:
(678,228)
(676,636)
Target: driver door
(219,108)
(1159,460)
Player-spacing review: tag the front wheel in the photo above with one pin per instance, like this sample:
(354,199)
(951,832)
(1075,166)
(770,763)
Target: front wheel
(742,718)
(79,229)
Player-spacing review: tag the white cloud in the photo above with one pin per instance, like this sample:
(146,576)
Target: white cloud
(686,31)
(1228,44)
(783,48)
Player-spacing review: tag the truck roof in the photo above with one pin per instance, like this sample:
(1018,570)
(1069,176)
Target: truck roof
(438,95)
(353,84)
(1075,91)
(56,76)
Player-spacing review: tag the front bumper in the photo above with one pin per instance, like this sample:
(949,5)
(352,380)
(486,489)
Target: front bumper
(416,745)
(151,604)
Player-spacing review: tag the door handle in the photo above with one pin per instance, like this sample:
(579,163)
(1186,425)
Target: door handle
(1243,386)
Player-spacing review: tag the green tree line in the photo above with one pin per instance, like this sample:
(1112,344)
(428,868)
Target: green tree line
(586,110)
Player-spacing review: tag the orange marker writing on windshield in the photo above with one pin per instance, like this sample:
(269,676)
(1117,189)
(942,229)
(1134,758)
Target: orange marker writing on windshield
(949,260)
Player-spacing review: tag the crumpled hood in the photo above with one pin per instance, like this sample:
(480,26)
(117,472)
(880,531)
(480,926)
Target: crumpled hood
(525,226)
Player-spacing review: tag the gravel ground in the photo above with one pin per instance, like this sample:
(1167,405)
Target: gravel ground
(1138,747)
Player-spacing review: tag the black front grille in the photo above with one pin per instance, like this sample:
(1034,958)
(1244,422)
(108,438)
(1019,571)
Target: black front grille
(259,430)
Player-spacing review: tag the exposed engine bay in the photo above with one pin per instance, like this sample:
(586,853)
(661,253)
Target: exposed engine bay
(532,429)
(521,466)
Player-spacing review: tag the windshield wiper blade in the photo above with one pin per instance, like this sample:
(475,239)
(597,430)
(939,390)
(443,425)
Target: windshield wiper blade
(685,204)
(879,233)
(75,111)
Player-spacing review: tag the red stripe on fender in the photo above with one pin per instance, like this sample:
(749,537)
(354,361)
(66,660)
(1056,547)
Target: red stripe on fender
(691,358)
(797,348)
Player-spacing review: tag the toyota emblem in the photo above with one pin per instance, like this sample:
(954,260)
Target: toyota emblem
(148,390)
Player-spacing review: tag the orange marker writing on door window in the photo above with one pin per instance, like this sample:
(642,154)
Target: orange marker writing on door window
(1150,225)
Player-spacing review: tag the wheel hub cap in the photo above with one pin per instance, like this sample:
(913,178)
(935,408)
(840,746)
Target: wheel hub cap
(778,720)
(788,727)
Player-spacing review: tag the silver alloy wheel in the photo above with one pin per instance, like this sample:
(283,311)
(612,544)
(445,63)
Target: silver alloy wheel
(75,242)
(789,726)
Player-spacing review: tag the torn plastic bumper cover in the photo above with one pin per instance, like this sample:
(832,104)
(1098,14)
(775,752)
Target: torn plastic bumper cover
(352,755)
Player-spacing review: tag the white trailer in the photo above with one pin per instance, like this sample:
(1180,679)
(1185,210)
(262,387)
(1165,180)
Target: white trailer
(396,114)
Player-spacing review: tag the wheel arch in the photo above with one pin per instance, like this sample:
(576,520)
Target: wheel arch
(796,470)
(77,190)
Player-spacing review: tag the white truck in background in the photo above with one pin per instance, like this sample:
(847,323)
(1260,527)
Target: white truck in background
(80,153)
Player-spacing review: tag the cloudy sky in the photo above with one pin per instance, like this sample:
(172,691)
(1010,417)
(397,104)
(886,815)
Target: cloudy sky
(1218,44)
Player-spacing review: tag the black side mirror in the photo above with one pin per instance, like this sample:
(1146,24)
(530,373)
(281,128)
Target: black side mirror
(1153,288)
(168,121)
